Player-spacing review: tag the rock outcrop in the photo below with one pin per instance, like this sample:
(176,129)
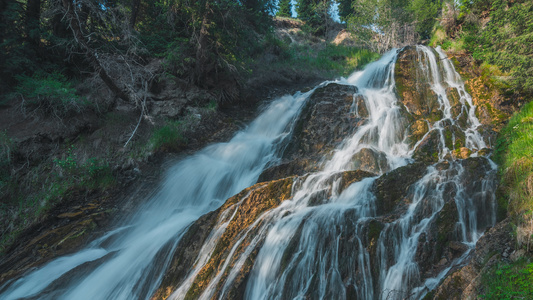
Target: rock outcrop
(326,119)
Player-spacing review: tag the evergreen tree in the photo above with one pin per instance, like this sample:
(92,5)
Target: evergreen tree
(315,13)
(306,9)
(424,13)
(285,9)
(345,9)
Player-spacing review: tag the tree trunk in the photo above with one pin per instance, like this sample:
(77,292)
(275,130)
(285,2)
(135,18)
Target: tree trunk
(91,54)
(134,12)
(201,47)
(33,16)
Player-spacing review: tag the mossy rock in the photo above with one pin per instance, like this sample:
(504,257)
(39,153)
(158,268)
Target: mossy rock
(325,120)
(393,187)
(413,86)
(370,160)
(428,150)
(262,197)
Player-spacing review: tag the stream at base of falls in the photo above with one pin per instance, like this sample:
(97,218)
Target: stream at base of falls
(380,236)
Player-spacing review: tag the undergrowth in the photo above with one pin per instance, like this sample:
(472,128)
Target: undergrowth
(49,93)
(332,60)
(509,281)
(514,153)
(328,60)
(495,32)
(47,185)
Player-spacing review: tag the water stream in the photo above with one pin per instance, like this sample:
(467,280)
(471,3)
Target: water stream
(128,263)
(305,250)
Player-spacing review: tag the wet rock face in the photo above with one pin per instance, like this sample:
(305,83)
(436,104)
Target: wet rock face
(391,188)
(72,230)
(327,118)
(240,211)
(371,161)
(465,281)
(413,86)
(324,122)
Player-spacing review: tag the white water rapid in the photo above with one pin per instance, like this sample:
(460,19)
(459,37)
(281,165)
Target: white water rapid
(128,263)
(302,249)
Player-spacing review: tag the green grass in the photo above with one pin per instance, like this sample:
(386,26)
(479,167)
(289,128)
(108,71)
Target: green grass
(168,137)
(326,59)
(332,60)
(509,281)
(514,153)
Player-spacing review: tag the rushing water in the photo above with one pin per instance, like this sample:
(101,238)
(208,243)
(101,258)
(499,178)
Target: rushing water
(129,262)
(323,264)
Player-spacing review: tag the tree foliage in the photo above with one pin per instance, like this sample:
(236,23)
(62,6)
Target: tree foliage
(316,14)
(203,42)
(424,14)
(382,23)
(284,9)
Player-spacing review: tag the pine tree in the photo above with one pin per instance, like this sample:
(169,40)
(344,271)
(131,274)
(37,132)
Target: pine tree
(306,9)
(285,9)
(345,9)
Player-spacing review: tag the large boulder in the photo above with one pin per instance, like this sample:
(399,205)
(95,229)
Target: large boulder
(326,119)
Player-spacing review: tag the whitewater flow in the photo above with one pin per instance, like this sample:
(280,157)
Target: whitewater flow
(306,250)
(129,262)
(303,249)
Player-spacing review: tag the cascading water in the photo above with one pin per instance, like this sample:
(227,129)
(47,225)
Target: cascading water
(303,249)
(128,263)
(317,244)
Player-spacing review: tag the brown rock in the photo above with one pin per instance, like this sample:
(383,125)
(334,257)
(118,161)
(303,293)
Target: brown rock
(370,161)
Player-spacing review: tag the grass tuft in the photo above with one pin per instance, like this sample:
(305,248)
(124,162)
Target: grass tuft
(509,281)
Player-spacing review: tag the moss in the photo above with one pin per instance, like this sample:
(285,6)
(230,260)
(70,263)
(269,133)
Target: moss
(261,198)
(374,229)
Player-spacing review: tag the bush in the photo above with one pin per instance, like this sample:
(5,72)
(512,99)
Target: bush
(168,137)
(50,93)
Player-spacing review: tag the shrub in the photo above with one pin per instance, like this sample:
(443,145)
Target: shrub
(50,93)
(168,137)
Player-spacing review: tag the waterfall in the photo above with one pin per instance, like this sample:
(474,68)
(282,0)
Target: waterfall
(128,262)
(327,241)
(303,248)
